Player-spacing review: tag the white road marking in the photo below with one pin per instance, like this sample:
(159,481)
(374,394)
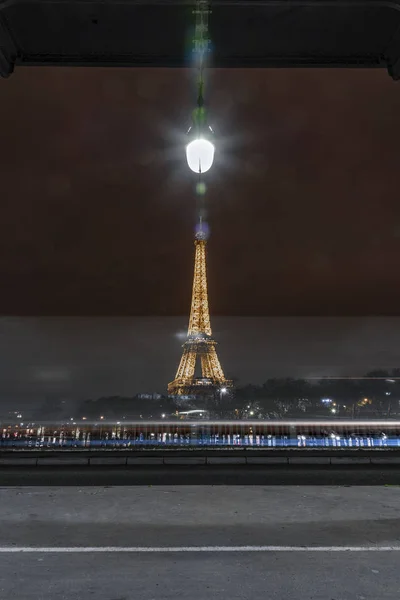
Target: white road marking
(140,549)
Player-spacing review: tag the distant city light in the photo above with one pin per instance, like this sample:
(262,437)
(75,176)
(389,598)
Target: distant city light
(333,410)
(223,390)
(252,412)
(102,417)
(163,416)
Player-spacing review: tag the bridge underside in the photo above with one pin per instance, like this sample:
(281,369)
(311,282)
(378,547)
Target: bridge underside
(158,33)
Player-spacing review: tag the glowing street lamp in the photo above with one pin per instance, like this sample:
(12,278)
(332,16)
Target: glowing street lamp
(222,391)
(200,155)
(200,149)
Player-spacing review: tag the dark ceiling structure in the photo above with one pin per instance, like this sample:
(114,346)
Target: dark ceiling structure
(158,33)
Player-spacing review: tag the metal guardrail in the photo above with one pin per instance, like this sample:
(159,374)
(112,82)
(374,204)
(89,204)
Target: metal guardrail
(367,458)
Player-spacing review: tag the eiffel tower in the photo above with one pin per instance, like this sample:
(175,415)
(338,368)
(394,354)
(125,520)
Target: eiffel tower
(199,343)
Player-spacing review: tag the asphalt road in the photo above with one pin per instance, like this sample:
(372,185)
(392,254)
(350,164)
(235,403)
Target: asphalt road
(323,542)
(201,475)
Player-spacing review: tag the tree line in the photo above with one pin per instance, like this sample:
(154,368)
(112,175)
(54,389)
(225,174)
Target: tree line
(376,395)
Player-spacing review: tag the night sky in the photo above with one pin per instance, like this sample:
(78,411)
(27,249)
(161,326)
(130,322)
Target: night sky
(79,358)
(98,204)
(98,215)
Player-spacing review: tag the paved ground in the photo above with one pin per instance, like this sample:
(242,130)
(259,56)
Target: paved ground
(199,475)
(213,516)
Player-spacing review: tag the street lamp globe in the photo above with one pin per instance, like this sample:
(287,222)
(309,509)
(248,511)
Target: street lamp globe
(200,155)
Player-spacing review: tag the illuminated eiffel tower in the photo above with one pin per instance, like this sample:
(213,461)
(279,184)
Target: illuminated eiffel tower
(199,344)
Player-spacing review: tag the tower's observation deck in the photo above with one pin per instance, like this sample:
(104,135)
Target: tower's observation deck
(199,344)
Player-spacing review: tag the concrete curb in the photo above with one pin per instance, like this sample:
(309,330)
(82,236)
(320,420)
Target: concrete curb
(111,460)
(389,460)
(62,460)
(313,460)
(226,460)
(130,461)
(190,460)
(348,460)
(267,460)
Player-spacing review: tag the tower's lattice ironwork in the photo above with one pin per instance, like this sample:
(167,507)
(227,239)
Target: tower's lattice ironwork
(199,344)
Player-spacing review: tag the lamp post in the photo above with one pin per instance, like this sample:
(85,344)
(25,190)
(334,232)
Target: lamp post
(218,394)
(200,147)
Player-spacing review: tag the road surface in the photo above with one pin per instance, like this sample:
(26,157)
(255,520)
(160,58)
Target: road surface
(236,542)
